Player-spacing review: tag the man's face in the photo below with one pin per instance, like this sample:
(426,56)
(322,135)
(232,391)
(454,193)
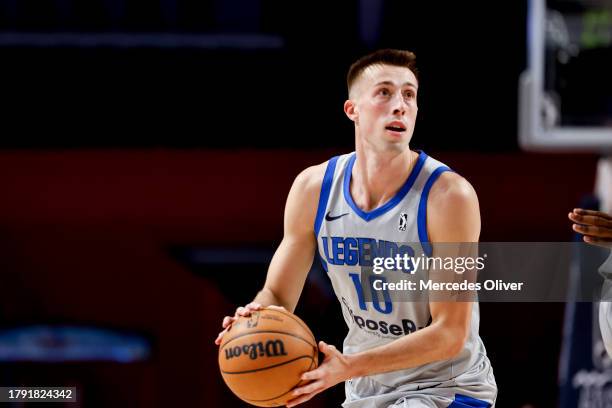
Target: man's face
(383,104)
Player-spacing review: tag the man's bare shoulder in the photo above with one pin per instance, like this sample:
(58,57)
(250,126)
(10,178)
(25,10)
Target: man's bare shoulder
(453,213)
(309,181)
(303,200)
(452,189)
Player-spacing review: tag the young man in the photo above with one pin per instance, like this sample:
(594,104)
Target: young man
(425,354)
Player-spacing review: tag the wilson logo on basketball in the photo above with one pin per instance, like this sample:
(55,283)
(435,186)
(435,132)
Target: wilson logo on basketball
(272,348)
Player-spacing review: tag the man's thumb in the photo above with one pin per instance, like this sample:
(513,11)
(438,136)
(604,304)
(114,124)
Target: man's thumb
(326,348)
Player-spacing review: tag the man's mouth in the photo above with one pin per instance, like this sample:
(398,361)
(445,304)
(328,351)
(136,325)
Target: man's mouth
(396,127)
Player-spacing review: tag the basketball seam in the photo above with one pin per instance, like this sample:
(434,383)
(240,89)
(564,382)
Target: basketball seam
(267,367)
(297,319)
(278,396)
(312,360)
(267,331)
(285,393)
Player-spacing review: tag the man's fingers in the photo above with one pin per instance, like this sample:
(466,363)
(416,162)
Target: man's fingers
(312,375)
(601,214)
(246,310)
(253,306)
(315,386)
(593,231)
(592,239)
(240,311)
(590,220)
(220,337)
(305,393)
(602,242)
(301,399)
(227,320)
(327,349)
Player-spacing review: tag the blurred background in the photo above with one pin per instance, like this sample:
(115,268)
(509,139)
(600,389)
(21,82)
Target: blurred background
(147,149)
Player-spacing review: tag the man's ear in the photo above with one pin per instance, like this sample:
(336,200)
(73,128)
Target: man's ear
(350,109)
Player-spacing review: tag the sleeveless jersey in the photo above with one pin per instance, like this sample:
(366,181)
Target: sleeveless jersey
(345,233)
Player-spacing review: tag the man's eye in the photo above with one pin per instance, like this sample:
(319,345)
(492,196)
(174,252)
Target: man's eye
(408,95)
(383,92)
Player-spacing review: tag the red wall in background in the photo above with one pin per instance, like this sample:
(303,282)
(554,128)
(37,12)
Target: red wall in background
(83,237)
(190,192)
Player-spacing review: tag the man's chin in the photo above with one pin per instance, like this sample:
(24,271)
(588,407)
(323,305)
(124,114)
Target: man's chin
(395,146)
(394,140)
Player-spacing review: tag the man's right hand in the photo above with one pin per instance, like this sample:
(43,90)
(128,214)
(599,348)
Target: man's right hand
(595,226)
(240,311)
(243,311)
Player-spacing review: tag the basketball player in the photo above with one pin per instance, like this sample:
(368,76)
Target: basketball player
(409,354)
(596,228)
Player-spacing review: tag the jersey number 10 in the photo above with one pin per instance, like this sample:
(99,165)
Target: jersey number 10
(386,307)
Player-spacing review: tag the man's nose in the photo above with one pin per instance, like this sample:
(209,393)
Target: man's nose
(399,105)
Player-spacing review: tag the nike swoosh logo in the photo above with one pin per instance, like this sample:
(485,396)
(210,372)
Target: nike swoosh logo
(429,386)
(329,217)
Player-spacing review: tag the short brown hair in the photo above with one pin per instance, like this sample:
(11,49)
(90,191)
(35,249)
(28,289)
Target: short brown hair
(388,56)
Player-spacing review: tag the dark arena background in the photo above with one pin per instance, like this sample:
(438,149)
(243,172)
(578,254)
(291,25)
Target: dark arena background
(147,149)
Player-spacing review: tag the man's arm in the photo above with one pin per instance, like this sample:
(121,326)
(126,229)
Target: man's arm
(596,228)
(293,258)
(452,216)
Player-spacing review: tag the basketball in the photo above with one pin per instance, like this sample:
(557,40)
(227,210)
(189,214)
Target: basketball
(263,356)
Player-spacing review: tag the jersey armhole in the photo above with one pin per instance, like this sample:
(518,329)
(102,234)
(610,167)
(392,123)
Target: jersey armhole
(328,178)
(422,211)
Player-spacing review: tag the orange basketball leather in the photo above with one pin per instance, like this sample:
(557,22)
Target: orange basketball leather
(263,356)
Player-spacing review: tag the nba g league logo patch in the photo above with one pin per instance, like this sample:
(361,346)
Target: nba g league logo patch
(403,221)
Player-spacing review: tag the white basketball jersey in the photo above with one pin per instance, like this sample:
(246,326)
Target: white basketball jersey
(347,238)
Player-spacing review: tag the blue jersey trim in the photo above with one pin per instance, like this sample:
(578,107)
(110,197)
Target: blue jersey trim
(324,196)
(463,401)
(422,211)
(370,215)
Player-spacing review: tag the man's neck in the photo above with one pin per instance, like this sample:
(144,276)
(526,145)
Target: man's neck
(377,177)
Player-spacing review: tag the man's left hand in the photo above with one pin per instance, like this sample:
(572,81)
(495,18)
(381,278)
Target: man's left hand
(333,370)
